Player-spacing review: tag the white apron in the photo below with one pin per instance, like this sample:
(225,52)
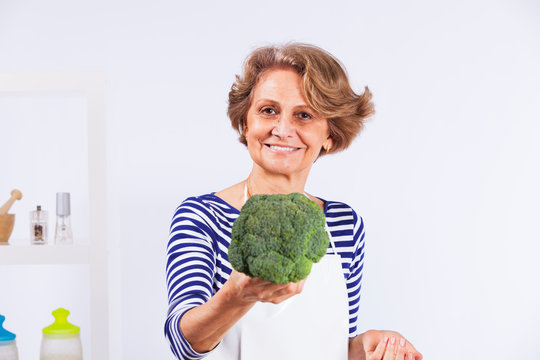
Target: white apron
(311,325)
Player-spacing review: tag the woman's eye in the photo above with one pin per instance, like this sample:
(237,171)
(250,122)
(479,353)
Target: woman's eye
(304,115)
(268,111)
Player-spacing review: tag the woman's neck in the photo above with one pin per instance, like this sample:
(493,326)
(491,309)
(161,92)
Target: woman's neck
(260,181)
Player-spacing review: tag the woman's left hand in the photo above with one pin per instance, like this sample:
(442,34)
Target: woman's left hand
(382,345)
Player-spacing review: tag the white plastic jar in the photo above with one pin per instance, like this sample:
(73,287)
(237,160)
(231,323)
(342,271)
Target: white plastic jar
(61,340)
(8,345)
(8,350)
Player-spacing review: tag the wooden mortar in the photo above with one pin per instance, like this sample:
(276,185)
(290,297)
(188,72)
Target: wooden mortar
(6,227)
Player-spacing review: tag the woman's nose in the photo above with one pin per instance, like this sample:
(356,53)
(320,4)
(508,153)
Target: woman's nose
(283,127)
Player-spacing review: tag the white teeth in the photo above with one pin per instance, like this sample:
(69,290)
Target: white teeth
(281,148)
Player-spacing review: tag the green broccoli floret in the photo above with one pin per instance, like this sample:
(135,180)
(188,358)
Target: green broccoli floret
(278,237)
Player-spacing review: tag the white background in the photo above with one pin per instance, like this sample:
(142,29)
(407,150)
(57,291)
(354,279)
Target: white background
(445,175)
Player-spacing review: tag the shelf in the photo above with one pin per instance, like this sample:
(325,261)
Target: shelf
(93,255)
(44,254)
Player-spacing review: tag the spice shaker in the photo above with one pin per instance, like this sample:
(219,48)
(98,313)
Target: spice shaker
(38,226)
(63,234)
(8,346)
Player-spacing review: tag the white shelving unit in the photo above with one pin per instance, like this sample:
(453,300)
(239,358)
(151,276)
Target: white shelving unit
(94,255)
(45,255)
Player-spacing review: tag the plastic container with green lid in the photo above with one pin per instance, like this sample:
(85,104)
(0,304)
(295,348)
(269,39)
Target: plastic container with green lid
(8,346)
(61,340)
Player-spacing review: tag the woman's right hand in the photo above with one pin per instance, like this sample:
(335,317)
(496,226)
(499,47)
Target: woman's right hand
(204,326)
(246,290)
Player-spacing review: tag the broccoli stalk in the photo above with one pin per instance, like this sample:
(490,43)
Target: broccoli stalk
(278,237)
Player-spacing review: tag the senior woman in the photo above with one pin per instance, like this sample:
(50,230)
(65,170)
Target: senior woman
(291,105)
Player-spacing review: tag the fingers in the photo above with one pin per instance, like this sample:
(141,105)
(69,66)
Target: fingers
(264,291)
(391,350)
(254,282)
(414,354)
(380,349)
(405,351)
(395,350)
(284,293)
(401,349)
(410,351)
(390,346)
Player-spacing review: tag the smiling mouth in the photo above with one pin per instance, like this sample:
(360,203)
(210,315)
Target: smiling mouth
(282,148)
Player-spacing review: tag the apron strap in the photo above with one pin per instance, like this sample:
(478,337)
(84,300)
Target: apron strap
(330,237)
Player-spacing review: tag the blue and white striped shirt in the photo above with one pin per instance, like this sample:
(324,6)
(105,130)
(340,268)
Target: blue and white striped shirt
(198,265)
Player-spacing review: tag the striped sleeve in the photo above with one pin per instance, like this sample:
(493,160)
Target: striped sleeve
(354,280)
(347,230)
(190,270)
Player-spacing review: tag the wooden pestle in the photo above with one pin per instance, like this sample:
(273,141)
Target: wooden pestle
(15,195)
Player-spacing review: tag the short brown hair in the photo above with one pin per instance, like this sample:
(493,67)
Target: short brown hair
(325,86)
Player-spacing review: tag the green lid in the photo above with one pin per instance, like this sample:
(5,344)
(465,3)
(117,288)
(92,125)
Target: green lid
(61,326)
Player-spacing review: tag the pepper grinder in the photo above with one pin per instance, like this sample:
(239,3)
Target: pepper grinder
(38,226)
(64,234)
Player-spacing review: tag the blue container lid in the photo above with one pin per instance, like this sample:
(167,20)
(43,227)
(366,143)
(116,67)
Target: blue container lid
(4,334)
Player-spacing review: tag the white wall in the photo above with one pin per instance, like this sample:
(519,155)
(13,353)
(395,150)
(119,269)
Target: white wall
(445,175)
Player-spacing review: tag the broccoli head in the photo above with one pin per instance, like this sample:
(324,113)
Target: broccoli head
(278,237)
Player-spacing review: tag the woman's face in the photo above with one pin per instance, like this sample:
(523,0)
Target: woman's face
(284,135)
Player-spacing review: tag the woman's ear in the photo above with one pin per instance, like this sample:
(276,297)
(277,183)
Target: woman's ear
(328,144)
